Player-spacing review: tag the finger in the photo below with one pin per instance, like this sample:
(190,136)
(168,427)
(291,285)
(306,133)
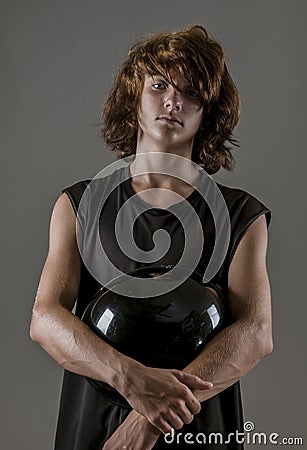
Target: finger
(186,414)
(193,405)
(193,381)
(163,426)
(175,420)
(190,400)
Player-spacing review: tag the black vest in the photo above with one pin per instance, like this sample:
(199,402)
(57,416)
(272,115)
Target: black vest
(87,417)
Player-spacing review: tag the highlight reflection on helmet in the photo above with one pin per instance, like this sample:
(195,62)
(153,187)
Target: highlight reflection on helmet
(165,331)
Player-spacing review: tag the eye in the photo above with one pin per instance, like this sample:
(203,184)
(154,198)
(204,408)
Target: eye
(192,93)
(159,85)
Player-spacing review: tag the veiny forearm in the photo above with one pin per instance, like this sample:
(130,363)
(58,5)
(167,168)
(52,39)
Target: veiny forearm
(75,347)
(230,355)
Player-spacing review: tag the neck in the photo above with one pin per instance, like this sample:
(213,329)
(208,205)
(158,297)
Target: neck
(163,170)
(147,145)
(161,165)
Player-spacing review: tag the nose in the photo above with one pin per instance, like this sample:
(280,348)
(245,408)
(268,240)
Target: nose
(173,100)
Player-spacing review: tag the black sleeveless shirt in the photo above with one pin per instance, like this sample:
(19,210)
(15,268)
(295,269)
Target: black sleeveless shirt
(87,416)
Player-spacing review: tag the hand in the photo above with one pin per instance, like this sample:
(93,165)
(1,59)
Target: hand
(163,396)
(135,433)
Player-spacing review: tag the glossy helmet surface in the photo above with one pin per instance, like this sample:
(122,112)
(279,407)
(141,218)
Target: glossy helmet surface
(165,331)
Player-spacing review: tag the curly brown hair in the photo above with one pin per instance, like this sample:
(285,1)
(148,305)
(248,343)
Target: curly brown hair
(197,56)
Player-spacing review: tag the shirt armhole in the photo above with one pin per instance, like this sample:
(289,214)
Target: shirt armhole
(245,227)
(65,191)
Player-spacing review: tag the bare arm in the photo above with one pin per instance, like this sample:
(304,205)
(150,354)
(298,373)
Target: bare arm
(53,326)
(237,348)
(155,393)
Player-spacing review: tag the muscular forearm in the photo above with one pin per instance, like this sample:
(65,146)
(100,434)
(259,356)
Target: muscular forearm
(75,347)
(230,355)
(160,395)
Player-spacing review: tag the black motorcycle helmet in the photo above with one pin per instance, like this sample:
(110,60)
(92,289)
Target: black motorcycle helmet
(166,331)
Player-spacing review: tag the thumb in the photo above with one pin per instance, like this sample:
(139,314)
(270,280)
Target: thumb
(193,381)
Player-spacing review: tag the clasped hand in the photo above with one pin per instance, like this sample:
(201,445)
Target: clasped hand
(164,396)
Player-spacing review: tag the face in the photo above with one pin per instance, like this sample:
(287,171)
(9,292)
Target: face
(169,115)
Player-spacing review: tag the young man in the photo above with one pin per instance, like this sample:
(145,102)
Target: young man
(173,100)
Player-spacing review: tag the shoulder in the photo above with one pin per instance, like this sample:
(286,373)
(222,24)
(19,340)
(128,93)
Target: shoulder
(97,187)
(234,194)
(243,205)
(75,192)
(79,185)
(247,214)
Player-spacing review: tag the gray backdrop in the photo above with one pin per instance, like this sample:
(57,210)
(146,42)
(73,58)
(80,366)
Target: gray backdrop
(58,59)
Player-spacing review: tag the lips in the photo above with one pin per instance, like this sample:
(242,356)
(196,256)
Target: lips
(170,119)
